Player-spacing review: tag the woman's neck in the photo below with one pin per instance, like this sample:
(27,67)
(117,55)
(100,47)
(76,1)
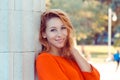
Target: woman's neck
(55,52)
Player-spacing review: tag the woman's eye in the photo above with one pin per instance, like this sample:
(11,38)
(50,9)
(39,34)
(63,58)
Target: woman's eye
(64,28)
(53,30)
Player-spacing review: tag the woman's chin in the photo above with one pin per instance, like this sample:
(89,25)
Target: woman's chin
(60,46)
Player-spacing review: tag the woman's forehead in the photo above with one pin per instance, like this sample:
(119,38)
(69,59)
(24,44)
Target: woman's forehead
(54,22)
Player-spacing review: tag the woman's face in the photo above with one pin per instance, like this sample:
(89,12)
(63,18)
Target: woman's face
(56,33)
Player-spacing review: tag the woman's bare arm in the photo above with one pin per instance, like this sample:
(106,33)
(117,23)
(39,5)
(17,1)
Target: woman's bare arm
(81,61)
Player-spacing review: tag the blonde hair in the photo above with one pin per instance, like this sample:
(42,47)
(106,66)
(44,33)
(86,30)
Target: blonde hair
(48,14)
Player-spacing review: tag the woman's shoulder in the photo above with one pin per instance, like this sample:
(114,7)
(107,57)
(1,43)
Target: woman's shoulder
(43,54)
(45,59)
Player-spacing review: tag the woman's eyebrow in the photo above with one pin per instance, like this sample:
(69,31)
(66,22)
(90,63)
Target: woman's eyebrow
(63,25)
(51,27)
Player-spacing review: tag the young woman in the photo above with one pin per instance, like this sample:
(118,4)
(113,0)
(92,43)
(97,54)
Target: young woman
(59,60)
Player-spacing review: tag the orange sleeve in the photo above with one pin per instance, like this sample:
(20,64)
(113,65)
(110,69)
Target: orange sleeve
(48,69)
(94,75)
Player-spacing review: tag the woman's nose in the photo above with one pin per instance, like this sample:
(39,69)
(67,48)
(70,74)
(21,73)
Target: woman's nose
(59,33)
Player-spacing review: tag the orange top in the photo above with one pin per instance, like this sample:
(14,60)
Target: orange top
(50,67)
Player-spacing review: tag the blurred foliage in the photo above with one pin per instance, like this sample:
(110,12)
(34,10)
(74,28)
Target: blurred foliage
(117,42)
(89,17)
(117,36)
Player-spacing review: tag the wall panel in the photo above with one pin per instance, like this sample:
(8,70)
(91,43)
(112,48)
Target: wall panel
(19,45)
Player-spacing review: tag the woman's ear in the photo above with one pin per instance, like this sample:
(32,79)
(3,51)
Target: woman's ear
(44,35)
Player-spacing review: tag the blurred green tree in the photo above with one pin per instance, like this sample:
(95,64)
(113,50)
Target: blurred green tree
(89,17)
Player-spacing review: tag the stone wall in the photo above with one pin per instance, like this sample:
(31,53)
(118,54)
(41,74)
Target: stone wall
(19,28)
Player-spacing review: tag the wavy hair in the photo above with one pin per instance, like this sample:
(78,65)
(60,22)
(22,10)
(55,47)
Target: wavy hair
(47,15)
